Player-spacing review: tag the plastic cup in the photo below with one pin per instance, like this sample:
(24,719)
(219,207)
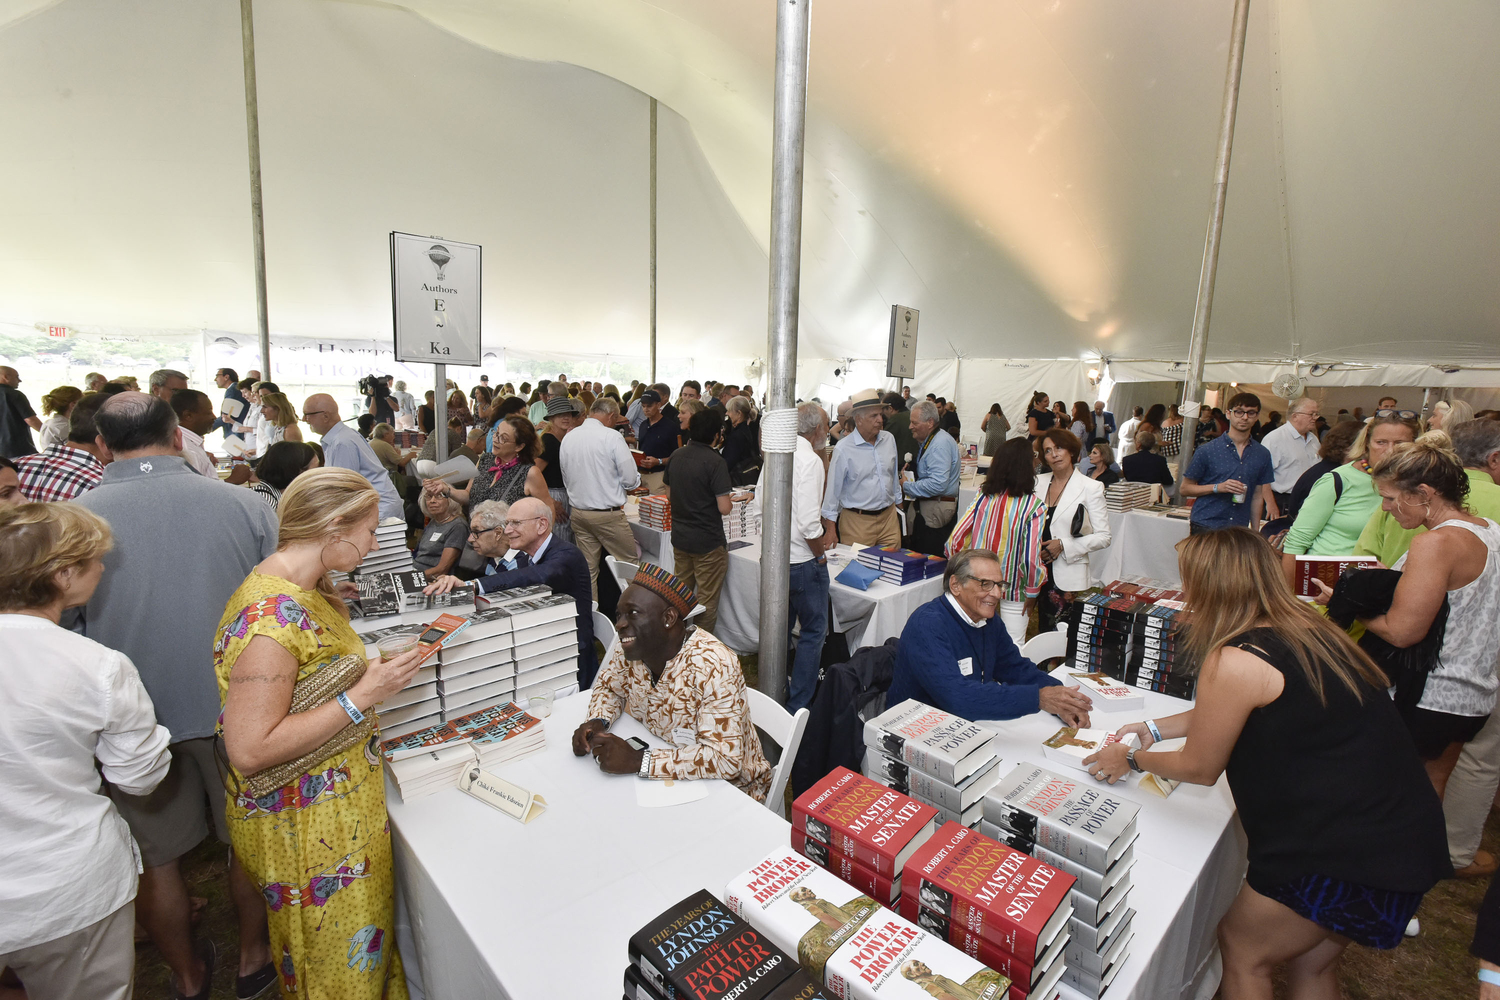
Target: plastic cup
(540,705)
(392,646)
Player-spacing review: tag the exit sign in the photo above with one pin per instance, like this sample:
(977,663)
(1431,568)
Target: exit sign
(57,331)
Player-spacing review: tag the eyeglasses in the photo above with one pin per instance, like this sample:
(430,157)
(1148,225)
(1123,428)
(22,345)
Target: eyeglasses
(985,586)
(516,523)
(1403,414)
(476,532)
(312,413)
(1244,413)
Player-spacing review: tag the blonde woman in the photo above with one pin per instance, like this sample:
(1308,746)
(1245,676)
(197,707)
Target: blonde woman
(57,407)
(281,420)
(284,624)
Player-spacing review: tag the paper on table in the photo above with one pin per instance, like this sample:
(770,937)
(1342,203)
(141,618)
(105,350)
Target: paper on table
(671,792)
(1155,782)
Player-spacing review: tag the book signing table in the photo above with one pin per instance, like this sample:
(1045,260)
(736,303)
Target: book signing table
(499,909)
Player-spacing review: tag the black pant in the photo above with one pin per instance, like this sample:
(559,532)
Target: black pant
(928,541)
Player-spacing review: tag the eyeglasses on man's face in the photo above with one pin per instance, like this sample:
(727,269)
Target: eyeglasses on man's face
(517,522)
(1243,413)
(477,532)
(985,586)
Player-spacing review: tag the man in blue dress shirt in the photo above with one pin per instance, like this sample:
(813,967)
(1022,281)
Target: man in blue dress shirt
(934,485)
(864,483)
(1231,474)
(955,656)
(343,448)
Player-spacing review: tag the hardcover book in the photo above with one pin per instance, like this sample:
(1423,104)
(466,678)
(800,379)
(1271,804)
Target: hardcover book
(1072,746)
(889,955)
(803,909)
(379,596)
(931,740)
(1086,823)
(925,788)
(1108,694)
(1326,569)
(700,949)
(1006,897)
(797,986)
(883,887)
(1034,975)
(1096,961)
(1091,884)
(875,825)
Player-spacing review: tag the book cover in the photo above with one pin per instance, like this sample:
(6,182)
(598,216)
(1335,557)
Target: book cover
(925,788)
(700,949)
(804,910)
(379,596)
(442,628)
(797,986)
(883,887)
(931,740)
(1108,694)
(1327,569)
(1087,823)
(888,955)
(1003,895)
(1072,746)
(1027,975)
(1090,885)
(875,825)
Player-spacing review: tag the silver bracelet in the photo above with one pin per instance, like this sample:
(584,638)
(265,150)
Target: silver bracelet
(645,771)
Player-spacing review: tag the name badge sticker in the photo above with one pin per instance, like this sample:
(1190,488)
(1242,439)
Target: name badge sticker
(966,666)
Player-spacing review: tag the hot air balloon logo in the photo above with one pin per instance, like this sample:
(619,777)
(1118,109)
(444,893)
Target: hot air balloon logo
(440,257)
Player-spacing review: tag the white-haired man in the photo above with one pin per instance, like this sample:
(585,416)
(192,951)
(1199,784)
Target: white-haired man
(1294,449)
(165,381)
(934,486)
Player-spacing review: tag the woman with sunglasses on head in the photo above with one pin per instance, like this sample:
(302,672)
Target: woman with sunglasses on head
(507,472)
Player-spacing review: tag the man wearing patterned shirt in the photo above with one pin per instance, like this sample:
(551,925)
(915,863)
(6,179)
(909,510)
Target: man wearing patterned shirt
(68,470)
(682,684)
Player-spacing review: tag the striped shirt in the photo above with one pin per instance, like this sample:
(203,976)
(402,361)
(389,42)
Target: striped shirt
(1010,527)
(62,472)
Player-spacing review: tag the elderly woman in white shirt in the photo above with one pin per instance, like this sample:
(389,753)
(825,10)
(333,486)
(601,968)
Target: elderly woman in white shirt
(67,861)
(1076,525)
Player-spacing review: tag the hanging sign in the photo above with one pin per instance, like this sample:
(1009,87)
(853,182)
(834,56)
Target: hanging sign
(435,299)
(901,354)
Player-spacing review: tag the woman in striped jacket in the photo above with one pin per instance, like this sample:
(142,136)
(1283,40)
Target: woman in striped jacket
(1006,518)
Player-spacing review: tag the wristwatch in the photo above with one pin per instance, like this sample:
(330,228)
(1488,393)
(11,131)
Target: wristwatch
(645,771)
(1130,759)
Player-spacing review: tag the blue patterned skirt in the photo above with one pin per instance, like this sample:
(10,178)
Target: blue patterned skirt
(1375,918)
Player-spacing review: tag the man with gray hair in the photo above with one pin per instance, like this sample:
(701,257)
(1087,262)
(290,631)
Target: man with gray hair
(94,382)
(597,469)
(811,539)
(182,544)
(344,448)
(1476,776)
(1294,449)
(165,381)
(934,489)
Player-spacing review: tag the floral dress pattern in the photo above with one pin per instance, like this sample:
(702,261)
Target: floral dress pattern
(319,847)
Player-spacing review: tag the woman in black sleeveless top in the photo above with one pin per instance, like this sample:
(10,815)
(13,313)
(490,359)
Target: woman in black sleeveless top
(1345,831)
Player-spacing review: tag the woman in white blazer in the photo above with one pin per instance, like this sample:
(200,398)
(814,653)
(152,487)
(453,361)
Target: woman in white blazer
(1077,524)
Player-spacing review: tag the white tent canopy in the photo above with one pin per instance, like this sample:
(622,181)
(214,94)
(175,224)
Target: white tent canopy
(1034,176)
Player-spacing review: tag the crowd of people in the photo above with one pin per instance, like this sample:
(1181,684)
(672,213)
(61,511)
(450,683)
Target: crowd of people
(179,608)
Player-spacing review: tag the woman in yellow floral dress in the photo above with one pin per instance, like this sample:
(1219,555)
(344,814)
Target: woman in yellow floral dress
(319,847)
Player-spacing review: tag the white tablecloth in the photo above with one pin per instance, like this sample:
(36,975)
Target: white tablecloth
(501,910)
(870,617)
(544,910)
(1190,860)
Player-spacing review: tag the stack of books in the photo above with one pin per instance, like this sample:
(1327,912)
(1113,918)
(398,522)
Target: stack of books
(861,831)
(1083,829)
(393,555)
(1159,660)
(699,948)
(936,758)
(1128,496)
(546,643)
(742,521)
(847,941)
(478,667)
(412,583)
(999,905)
(656,512)
(416,706)
(433,758)
(897,565)
(1099,639)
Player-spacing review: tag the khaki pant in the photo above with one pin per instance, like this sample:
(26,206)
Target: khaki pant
(705,573)
(1471,792)
(602,530)
(97,962)
(864,529)
(654,481)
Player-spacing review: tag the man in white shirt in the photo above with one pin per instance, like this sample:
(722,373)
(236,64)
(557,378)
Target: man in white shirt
(1294,450)
(811,539)
(195,418)
(343,448)
(597,469)
(1127,432)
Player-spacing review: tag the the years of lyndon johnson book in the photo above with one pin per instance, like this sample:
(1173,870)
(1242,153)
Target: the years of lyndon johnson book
(1012,900)
(804,910)
(700,950)
(884,887)
(797,986)
(888,955)
(863,819)
(931,740)
(1083,822)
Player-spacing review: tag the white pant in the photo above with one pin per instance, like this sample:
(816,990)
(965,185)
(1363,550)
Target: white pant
(1013,617)
(95,963)
(1471,791)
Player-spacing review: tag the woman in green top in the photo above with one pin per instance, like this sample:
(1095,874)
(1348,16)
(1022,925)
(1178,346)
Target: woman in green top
(1340,504)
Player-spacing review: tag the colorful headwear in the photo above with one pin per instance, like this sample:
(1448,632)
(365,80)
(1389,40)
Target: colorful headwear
(666,586)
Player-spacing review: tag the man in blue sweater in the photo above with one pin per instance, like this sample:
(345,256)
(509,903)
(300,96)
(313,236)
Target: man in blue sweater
(954,656)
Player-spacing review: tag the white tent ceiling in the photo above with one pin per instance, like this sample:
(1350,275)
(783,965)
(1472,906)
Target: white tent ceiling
(1032,174)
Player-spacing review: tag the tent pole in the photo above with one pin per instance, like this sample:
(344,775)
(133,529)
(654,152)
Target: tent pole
(440,413)
(653,240)
(257,219)
(779,425)
(1192,391)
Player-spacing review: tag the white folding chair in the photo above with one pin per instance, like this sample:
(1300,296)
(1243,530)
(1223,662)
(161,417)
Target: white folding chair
(786,729)
(1046,645)
(604,630)
(623,572)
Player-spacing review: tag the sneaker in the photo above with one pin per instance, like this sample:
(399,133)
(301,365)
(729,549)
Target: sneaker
(1413,928)
(257,984)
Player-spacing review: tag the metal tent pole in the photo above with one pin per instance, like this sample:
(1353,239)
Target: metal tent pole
(792,25)
(653,240)
(1192,391)
(257,219)
(440,413)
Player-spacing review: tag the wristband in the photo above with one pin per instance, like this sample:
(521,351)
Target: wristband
(1489,976)
(355,714)
(1151,728)
(1216,487)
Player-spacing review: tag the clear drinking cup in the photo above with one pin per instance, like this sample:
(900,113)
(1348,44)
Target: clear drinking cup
(539,706)
(392,646)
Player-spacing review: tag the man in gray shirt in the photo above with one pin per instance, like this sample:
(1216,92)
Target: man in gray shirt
(182,545)
(344,448)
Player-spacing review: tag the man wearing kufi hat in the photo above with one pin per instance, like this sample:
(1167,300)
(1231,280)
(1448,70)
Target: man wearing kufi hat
(682,684)
(864,484)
